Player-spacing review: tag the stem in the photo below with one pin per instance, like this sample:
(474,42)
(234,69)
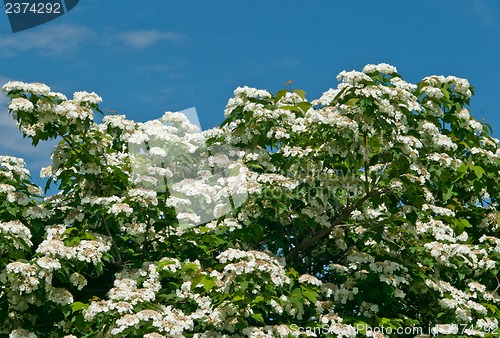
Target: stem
(380,175)
(118,261)
(113,243)
(367,155)
(146,244)
(72,147)
(307,242)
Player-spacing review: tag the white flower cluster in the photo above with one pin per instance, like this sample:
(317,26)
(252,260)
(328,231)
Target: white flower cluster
(472,256)
(72,110)
(15,230)
(463,303)
(24,278)
(445,160)
(246,262)
(459,85)
(306,278)
(13,166)
(172,155)
(21,104)
(119,122)
(21,333)
(433,137)
(468,121)
(52,108)
(383,68)
(89,251)
(78,280)
(336,326)
(251,92)
(120,208)
(353,78)
(373,135)
(279,180)
(438,229)
(35,88)
(127,292)
(85,97)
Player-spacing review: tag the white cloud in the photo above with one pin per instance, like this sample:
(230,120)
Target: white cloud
(146,38)
(487,11)
(174,70)
(65,39)
(289,62)
(51,40)
(155,68)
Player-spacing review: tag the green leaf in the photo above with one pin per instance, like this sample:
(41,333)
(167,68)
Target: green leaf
(238,298)
(255,165)
(461,171)
(281,93)
(479,171)
(460,225)
(304,106)
(492,307)
(258,317)
(258,299)
(311,295)
(79,306)
(361,327)
(208,284)
(300,93)
(353,101)
(447,193)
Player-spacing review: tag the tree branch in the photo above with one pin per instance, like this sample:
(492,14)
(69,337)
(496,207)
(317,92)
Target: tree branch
(113,243)
(307,242)
(79,154)
(366,155)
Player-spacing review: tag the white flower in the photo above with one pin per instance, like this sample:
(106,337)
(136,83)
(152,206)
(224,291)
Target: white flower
(310,280)
(433,92)
(91,251)
(60,296)
(353,77)
(21,104)
(78,280)
(119,208)
(86,97)
(48,263)
(251,92)
(73,111)
(383,68)
(35,88)
(15,229)
(21,333)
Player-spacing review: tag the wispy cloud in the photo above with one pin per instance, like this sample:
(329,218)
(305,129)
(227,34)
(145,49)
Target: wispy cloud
(65,39)
(174,70)
(289,62)
(51,40)
(156,68)
(140,39)
(488,12)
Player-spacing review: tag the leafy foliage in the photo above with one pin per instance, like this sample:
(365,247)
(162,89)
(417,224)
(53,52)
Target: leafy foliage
(374,206)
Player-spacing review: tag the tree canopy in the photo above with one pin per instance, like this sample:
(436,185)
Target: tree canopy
(371,211)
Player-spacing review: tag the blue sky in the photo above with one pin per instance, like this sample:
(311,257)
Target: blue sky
(148,57)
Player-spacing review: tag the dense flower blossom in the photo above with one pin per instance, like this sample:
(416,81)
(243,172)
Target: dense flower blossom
(373,205)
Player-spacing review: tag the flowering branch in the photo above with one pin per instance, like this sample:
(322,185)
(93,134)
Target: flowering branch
(118,261)
(320,235)
(429,244)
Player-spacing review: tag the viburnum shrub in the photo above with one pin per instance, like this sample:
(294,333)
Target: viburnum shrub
(374,206)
